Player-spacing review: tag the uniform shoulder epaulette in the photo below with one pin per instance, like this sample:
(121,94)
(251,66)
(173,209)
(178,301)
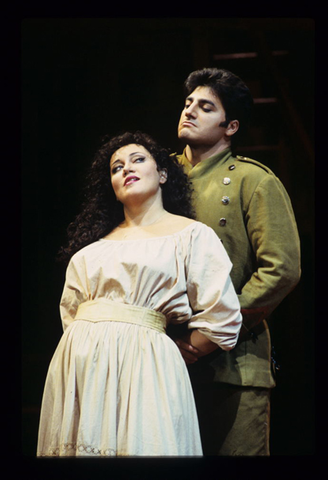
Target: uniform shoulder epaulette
(253,162)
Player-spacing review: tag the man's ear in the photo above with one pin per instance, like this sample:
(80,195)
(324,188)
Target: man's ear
(232,127)
(163,175)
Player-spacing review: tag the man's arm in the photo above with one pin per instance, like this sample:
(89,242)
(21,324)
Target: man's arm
(273,234)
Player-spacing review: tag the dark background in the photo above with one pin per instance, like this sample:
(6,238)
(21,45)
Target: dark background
(85,78)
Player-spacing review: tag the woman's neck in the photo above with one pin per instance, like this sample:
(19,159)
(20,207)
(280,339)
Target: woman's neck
(142,217)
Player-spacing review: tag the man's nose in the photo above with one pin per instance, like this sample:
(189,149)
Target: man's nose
(190,110)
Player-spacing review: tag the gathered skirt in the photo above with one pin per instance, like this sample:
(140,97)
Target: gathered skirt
(117,385)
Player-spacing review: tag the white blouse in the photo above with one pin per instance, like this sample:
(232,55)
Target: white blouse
(185,276)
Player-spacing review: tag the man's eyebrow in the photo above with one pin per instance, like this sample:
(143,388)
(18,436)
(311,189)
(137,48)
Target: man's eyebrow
(202,100)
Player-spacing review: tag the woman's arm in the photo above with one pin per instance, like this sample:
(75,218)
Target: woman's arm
(194,345)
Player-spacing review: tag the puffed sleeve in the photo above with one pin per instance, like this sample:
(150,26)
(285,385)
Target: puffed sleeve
(74,292)
(214,302)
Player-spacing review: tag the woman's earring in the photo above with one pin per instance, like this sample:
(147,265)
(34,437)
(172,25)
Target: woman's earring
(163,176)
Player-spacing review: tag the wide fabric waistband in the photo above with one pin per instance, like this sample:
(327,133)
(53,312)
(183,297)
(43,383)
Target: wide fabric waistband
(103,310)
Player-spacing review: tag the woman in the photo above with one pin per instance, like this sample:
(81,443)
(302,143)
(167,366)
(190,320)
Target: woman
(117,384)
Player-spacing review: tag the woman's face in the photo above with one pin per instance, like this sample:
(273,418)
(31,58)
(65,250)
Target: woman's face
(134,174)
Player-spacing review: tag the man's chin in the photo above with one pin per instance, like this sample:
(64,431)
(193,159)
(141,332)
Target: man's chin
(186,136)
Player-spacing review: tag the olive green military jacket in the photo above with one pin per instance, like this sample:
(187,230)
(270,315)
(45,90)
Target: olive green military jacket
(250,210)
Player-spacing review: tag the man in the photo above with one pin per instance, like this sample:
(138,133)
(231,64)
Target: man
(249,209)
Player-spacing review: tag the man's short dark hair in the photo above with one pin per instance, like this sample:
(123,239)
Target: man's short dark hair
(233,93)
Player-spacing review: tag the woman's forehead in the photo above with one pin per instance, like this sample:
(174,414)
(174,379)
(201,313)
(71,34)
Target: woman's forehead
(129,151)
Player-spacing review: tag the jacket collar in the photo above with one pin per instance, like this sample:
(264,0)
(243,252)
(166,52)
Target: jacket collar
(205,165)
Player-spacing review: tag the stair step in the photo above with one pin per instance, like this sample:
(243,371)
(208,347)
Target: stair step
(265,100)
(242,55)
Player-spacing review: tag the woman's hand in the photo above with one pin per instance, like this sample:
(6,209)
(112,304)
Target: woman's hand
(188,352)
(194,345)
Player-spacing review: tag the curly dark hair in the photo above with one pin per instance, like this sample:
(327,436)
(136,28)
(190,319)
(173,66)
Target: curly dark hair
(101,212)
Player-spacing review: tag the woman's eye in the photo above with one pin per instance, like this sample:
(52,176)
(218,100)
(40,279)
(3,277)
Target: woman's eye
(139,159)
(116,169)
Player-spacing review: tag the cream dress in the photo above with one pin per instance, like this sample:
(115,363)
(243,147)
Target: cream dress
(117,385)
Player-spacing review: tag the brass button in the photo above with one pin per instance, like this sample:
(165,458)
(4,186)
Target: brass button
(225,200)
(226,181)
(222,222)
(232,167)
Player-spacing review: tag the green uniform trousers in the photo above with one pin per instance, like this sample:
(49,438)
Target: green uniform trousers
(233,420)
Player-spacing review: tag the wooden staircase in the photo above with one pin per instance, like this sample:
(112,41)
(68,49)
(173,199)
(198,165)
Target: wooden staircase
(266,55)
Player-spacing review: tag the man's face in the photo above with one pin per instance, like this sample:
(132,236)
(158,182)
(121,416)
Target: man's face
(201,119)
